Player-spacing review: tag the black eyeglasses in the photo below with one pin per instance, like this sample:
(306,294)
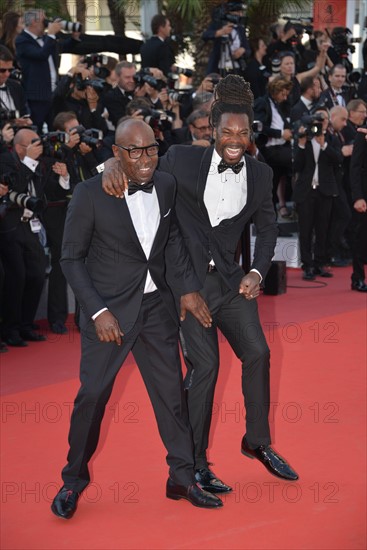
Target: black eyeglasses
(7,70)
(136,152)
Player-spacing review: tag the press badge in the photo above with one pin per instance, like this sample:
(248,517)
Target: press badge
(35,225)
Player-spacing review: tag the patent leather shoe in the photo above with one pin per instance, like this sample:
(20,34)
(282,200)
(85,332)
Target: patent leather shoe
(65,503)
(274,463)
(359,285)
(194,494)
(31,336)
(321,272)
(208,481)
(308,274)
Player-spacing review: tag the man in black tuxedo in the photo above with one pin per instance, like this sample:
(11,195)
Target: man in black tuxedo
(197,132)
(337,93)
(113,257)
(310,92)
(219,190)
(157,52)
(116,100)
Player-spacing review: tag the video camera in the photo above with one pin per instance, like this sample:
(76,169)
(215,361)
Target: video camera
(68,26)
(222,14)
(92,137)
(342,42)
(145,76)
(312,125)
(13,198)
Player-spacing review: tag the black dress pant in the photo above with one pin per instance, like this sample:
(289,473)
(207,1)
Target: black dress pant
(359,245)
(314,217)
(57,300)
(154,344)
(24,264)
(238,320)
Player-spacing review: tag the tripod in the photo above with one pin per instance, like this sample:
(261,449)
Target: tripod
(226,58)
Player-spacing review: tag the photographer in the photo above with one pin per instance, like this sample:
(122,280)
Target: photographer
(310,92)
(38,55)
(21,251)
(157,52)
(79,93)
(274,140)
(230,43)
(115,100)
(197,132)
(159,121)
(317,161)
(256,73)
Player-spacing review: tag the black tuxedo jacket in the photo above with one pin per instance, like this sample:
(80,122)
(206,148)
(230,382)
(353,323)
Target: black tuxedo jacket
(263,112)
(299,110)
(17,93)
(358,169)
(330,161)
(102,257)
(191,165)
(328,98)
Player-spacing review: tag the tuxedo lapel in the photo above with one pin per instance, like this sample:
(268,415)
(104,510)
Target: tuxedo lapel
(201,179)
(164,210)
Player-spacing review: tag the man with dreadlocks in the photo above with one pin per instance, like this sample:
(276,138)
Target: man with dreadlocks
(219,189)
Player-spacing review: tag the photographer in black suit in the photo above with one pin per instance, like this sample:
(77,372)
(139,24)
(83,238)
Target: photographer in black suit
(219,190)
(157,52)
(113,257)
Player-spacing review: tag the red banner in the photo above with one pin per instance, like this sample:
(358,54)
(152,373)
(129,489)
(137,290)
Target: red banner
(329,14)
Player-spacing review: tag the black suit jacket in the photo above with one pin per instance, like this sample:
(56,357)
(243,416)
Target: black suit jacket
(156,53)
(102,257)
(190,165)
(33,59)
(330,161)
(328,98)
(299,110)
(358,169)
(115,102)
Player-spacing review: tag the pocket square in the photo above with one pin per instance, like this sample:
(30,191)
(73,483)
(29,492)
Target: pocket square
(166,214)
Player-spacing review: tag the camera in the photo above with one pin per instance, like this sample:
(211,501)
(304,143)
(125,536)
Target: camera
(275,66)
(92,137)
(7,115)
(53,144)
(158,120)
(145,76)
(95,58)
(68,26)
(23,200)
(16,74)
(81,83)
(222,14)
(312,125)
(257,126)
(186,72)
(181,96)
(300,26)
(342,42)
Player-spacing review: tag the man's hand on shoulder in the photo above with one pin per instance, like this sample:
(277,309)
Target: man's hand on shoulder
(114,181)
(250,285)
(107,328)
(196,305)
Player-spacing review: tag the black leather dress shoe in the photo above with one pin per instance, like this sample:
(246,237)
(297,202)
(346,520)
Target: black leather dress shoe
(322,272)
(359,285)
(58,328)
(271,460)
(208,481)
(193,494)
(65,503)
(13,339)
(31,336)
(308,275)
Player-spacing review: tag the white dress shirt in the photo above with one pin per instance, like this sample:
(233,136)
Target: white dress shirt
(277,123)
(145,215)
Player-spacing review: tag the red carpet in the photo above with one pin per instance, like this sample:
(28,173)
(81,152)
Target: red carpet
(318,416)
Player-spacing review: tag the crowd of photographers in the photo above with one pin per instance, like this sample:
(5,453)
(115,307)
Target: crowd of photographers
(309,104)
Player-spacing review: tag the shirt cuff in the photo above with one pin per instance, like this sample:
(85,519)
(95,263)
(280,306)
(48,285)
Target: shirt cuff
(259,274)
(64,182)
(30,163)
(94,317)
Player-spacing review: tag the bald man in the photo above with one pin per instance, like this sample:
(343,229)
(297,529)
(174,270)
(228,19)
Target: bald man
(115,255)
(22,254)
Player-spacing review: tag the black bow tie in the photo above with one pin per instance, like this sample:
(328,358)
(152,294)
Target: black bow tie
(134,187)
(3,88)
(222,166)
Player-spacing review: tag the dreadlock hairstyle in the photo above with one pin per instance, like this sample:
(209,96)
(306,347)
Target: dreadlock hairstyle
(232,95)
